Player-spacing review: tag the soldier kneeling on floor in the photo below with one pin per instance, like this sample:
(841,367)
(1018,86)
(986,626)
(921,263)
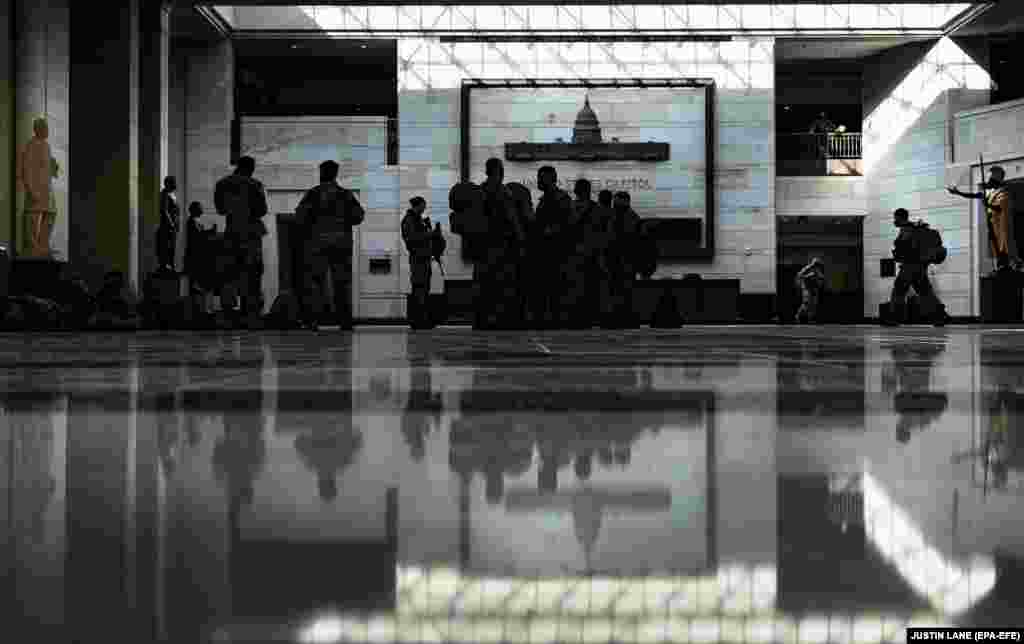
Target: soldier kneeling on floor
(811,282)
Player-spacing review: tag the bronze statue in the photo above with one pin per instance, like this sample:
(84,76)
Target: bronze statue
(36,170)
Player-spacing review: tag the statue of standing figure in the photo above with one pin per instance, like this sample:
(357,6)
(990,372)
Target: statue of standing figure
(36,171)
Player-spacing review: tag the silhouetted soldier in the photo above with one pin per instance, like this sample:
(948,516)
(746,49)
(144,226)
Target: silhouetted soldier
(498,304)
(327,213)
(554,215)
(198,257)
(811,282)
(913,273)
(604,198)
(243,202)
(585,264)
(998,210)
(170,222)
(418,238)
(621,247)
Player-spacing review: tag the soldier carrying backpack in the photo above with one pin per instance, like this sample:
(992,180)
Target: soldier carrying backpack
(916,246)
(327,214)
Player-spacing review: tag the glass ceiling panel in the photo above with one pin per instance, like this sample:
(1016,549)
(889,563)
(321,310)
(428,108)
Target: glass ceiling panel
(921,16)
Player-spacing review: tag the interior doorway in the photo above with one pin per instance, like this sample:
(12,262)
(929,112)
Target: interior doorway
(839,242)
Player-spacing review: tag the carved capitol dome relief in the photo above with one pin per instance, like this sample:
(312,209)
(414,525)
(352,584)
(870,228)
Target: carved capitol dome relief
(586,129)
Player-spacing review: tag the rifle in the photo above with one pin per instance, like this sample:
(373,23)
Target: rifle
(437,248)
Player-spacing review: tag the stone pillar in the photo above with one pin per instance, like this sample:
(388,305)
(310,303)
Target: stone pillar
(105,92)
(7,139)
(154,75)
(41,68)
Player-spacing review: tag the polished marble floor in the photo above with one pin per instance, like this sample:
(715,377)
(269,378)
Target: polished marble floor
(709,484)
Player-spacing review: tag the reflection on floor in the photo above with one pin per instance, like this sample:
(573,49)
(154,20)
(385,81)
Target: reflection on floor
(731,484)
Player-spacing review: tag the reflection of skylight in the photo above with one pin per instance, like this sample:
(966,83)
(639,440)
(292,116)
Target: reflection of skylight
(950,587)
(817,629)
(735,605)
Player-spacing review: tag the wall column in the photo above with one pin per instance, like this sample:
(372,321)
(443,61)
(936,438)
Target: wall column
(154,71)
(105,151)
(7,138)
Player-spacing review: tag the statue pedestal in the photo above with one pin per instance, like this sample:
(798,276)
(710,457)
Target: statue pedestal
(37,276)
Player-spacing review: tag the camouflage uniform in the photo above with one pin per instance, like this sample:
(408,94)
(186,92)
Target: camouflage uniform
(623,230)
(328,213)
(418,235)
(244,203)
(913,273)
(554,246)
(496,274)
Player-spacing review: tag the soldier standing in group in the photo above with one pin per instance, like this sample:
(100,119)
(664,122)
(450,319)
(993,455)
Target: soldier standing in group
(554,214)
(167,231)
(585,258)
(243,202)
(604,199)
(623,232)
(811,281)
(198,261)
(328,212)
(418,238)
(913,273)
(498,304)
(998,210)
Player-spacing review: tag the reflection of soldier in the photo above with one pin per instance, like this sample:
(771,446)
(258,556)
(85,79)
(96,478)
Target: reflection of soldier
(811,281)
(243,202)
(417,235)
(326,451)
(240,455)
(484,443)
(909,377)
(417,421)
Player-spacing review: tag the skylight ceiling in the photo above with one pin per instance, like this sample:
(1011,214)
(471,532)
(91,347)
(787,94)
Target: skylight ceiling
(725,19)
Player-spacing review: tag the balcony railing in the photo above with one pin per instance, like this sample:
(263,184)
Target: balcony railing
(819,154)
(821,146)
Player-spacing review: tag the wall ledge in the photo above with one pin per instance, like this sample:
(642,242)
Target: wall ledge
(997,107)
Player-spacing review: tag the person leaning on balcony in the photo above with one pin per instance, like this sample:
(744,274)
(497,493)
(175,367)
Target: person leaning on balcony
(822,125)
(998,210)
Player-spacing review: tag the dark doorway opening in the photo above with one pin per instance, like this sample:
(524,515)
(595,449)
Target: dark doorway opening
(839,242)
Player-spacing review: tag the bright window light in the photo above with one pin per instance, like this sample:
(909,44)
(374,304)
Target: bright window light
(949,587)
(945,67)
